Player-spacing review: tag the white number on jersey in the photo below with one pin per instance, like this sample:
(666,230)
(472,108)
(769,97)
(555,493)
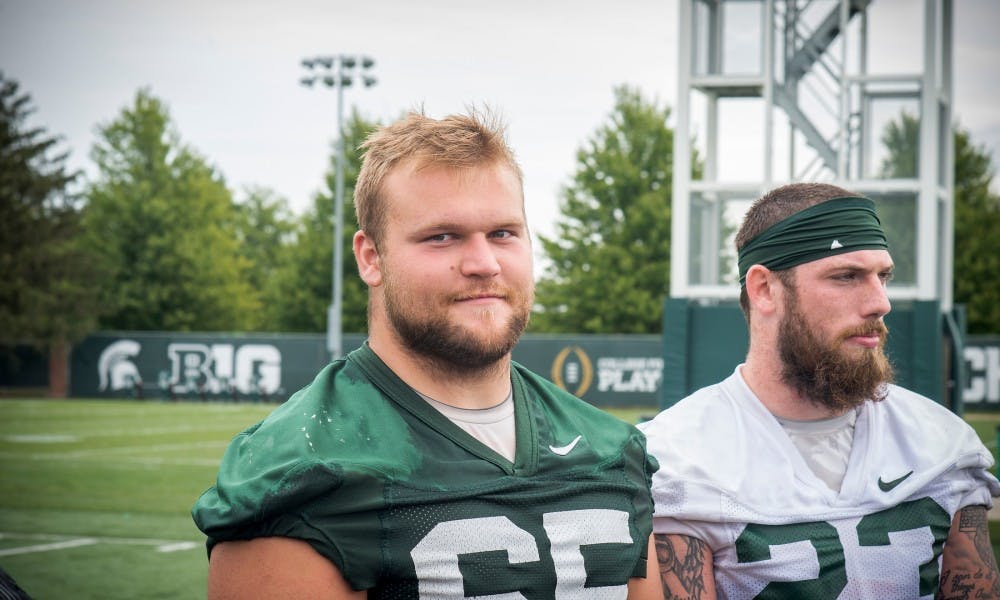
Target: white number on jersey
(757,542)
(436,557)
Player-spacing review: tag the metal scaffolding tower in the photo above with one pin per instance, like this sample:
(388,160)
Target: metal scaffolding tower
(848,92)
(857,93)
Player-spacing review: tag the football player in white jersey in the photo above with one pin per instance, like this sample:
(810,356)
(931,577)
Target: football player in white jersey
(806,473)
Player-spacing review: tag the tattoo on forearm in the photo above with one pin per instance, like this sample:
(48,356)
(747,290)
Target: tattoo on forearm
(971,568)
(973,522)
(682,565)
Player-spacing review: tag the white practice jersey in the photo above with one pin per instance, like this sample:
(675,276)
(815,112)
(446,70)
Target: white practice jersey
(730,476)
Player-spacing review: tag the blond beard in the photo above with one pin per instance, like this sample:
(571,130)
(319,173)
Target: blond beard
(447,347)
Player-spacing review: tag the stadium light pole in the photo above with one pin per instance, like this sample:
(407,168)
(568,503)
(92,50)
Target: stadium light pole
(338,72)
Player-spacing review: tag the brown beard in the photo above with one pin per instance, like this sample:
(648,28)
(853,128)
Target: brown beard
(445,346)
(823,373)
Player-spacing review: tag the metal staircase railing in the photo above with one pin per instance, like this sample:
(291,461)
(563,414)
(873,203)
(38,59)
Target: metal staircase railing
(810,68)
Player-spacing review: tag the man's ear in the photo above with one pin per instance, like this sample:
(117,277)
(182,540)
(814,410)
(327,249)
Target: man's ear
(366,255)
(764,290)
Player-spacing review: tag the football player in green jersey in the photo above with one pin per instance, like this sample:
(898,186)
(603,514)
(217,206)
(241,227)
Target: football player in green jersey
(426,464)
(806,473)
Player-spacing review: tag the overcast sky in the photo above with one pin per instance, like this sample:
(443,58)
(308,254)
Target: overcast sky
(228,71)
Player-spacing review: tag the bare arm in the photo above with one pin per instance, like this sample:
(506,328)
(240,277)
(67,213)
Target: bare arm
(968,567)
(685,567)
(275,567)
(648,588)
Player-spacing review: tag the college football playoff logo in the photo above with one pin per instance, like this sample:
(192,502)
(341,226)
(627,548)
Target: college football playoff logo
(572,367)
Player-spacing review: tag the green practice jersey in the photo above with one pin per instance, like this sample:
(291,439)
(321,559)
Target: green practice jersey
(408,505)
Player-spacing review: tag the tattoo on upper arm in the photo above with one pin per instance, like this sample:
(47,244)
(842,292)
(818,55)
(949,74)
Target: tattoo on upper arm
(970,569)
(682,566)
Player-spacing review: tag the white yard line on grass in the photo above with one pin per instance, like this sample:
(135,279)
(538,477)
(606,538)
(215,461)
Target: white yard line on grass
(136,449)
(61,542)
(177,547)
(48,547)
(130,455)
(54,437)
(120,461)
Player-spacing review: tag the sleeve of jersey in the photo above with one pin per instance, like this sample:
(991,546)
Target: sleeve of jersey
(272,481)
(306,500)
(975,462)
(940,445)
(689,486)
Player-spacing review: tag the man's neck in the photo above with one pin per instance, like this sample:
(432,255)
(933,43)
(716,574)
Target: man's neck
(444,382)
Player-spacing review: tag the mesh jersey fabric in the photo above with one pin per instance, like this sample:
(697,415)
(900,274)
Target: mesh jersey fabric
(730,476)
(407,505)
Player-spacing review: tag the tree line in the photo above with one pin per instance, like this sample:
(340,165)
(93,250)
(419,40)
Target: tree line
(158,240)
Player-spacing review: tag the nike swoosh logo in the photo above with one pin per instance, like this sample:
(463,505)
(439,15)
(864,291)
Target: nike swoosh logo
(887,486)
(564,450)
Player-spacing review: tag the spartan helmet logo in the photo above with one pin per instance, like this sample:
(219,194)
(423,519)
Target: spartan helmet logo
(115,369)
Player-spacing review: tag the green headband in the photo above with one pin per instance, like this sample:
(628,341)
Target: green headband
(832,227)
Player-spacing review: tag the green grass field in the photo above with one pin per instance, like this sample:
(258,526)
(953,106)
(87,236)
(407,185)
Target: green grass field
(107,487)
(95,495)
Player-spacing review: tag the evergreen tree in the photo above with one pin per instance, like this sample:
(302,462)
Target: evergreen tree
(47,294)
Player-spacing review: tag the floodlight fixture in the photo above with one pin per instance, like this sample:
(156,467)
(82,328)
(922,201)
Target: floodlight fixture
(339,74)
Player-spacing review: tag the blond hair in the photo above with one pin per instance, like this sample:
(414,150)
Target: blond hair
(456,141)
